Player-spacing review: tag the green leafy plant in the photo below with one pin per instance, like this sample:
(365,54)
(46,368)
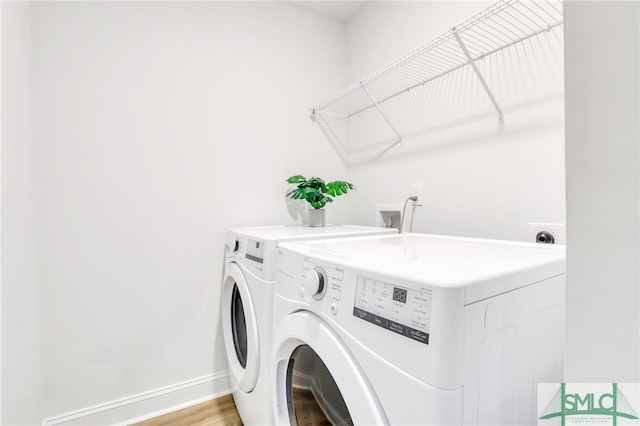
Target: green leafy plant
(316,191)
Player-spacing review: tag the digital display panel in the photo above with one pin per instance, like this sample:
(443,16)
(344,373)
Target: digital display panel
(400,295)
(405,311)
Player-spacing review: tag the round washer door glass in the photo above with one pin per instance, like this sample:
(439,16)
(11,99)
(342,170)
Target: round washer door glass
(301,340)
(313,397)
(238,326)
(240,329)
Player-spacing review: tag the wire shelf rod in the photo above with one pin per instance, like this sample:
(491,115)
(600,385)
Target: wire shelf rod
(481,45)
(506,25)
(491,36)
(401,83)
(525,18)
(367,80)
(448,53)
(490,11)
(419,70)
(401,61)
(554,8)
(481,78)
(425,72)
(528,16)
(416,71)
(521,39)
(517,19)
(444,55)
(524,5)
(421,67)
(421,83)
(498,31)
(409,75)
(333,114)
(489,26)
(489,53)
(383,114)
(509,26)
(386,70)
(499,26)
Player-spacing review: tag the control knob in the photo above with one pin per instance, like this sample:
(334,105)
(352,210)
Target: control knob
(315,282)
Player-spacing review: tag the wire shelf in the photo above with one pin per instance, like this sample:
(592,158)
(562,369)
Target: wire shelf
(497,27)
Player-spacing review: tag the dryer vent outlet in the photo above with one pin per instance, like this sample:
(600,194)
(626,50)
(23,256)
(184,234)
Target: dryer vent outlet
(547,233)
(545,238)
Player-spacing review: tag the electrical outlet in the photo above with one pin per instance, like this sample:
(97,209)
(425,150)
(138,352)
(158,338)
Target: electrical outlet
(556,230)
(416,191)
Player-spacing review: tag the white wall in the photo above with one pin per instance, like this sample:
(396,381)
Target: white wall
(479,178)
(603,190)
(150,117)
(157,127)
(21,374)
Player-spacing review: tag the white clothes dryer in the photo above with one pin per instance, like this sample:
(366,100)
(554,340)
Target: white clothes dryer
(416,329)
(247,307)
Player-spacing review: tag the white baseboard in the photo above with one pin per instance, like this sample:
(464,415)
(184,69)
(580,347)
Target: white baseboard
(148,404)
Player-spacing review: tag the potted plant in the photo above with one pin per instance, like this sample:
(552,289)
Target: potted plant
(317,193)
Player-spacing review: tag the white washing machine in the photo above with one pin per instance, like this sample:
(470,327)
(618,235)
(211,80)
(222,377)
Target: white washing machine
(416,329)
(247,307)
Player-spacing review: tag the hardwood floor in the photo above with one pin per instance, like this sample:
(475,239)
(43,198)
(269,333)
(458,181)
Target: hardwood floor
(308,412)
(218,412)
(222,412)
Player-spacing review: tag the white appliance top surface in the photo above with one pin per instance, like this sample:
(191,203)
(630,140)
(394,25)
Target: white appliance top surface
(443,261)
(300,232)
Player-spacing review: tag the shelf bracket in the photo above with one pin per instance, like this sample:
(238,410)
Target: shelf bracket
(479,74)
(383,115)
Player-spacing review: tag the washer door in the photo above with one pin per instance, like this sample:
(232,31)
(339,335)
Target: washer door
(317,381)
(240,329)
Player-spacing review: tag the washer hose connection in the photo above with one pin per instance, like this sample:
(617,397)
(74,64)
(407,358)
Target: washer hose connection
(414,199)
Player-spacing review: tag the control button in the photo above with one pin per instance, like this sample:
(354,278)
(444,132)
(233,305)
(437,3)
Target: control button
(314,282)
(301,293)
(334,308)
(311,281)
(236,245)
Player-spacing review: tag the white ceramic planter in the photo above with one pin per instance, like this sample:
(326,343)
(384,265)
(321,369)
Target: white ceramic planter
(316,217)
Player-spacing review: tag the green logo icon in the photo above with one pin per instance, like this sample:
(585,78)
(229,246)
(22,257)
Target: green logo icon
(588,404)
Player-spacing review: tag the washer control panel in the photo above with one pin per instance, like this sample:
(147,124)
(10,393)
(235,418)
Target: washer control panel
(255,250)
(402,310)
(322,283)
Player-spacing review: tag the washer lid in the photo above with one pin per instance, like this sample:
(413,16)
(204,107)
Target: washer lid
(483,267)
(300,232)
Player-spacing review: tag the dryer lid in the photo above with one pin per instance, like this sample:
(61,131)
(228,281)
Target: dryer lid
(484,268)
